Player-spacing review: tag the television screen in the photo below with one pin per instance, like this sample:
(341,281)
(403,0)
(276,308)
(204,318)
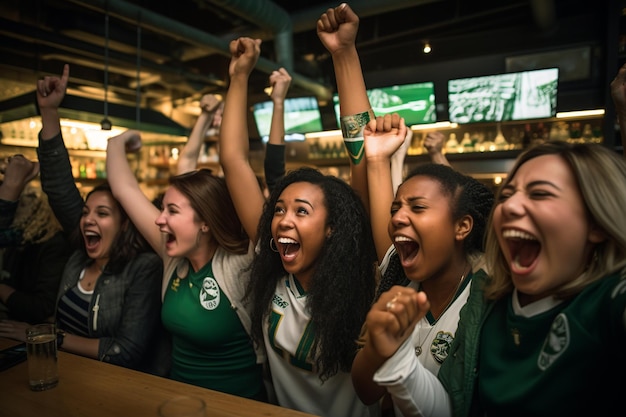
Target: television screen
(415,102)
(495,98)
(302,115)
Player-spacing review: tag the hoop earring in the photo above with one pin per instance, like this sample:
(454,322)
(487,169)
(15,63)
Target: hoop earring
(273,245)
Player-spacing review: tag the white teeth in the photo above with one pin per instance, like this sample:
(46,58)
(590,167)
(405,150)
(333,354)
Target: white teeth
(286,240)
(517,234)
(402,239)
(90,233)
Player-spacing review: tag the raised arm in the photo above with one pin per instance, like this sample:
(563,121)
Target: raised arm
(337,29)
(126,189)
(397,161)
(383,137)
(33,301)
(55,167)
(234,142)
(274,162)
(18,172)
(188,158)
(434,145)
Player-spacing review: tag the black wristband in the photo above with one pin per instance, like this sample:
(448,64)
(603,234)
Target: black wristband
(60,338)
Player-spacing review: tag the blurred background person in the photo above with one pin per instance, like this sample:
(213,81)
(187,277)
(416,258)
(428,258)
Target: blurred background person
(34,247)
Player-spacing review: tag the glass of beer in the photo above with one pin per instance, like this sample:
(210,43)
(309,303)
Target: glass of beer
(41,344)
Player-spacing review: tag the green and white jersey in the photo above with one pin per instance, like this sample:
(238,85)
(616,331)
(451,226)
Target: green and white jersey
(431,339)
(556,357)
(210,347)
(288,341)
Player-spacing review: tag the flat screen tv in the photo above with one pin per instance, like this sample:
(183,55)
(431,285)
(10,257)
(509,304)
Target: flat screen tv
(302,115)
(415,102)
(502,97)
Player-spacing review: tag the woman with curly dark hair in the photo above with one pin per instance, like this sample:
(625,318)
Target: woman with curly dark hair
(313,277)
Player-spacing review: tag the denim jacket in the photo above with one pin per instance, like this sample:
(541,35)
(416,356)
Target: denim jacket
(125,310)
(125,307)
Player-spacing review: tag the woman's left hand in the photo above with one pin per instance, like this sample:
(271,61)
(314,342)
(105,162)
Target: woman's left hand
(13,329)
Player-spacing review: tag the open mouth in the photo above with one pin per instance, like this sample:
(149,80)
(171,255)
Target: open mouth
(407,249)
(523,247)
(288,247)
(92,239)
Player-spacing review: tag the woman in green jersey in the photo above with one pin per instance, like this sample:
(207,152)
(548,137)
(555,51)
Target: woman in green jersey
(540,336)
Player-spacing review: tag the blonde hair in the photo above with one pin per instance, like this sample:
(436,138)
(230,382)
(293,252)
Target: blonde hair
(601,177)
(34,217)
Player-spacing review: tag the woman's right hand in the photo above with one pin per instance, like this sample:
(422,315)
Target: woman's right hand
(130,138)
(383,136)
(209,103)
(393,317)
(244,53)
(51,90)
(279,81)
(337,28)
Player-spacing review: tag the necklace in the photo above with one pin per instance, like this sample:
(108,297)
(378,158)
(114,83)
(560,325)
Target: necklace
(418,348)
(420,343)
(90,275)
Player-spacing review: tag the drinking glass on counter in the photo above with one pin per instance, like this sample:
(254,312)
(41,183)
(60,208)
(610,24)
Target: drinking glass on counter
(41,348)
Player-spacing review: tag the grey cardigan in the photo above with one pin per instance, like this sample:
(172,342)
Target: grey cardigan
(232,273)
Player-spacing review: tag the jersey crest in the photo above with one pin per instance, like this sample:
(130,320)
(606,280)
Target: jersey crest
(555,343)
(440,346)
(209,294)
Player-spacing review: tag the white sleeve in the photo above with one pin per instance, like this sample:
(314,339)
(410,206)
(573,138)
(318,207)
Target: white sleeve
(415,390)
(384,264)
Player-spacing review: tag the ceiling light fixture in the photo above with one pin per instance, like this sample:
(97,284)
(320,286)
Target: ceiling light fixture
(427,47)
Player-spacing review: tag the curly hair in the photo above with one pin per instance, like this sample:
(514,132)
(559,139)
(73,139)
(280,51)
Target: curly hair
(600,174)
(127,244)
(34,217)
(211,202)
(468,196)
(344,280)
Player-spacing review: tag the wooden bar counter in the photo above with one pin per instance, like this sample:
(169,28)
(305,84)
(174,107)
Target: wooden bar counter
(90,388)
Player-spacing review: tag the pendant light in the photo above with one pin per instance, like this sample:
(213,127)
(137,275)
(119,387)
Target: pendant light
(427,47)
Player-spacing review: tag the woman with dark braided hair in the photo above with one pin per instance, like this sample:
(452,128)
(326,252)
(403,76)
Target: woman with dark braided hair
(530,335)
(437,224)
(429,238)
(314,274)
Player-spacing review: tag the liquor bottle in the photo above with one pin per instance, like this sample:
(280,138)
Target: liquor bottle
(452,145)
(527,136)
(500,141)
(466,143)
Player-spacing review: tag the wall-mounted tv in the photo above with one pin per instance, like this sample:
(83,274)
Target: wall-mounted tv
(302,115)
(415,102)
(495,98)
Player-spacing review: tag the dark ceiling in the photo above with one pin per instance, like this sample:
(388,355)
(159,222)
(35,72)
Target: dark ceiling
(173,52)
